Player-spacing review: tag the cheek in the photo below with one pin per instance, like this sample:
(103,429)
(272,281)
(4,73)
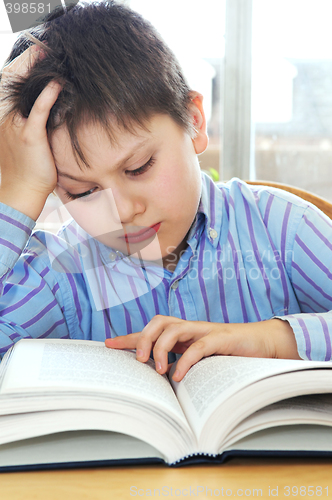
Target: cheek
(98,216)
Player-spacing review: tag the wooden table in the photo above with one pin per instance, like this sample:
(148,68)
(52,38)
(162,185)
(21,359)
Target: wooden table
(238,478)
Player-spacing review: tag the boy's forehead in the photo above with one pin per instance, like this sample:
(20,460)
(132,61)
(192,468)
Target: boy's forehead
(96,144)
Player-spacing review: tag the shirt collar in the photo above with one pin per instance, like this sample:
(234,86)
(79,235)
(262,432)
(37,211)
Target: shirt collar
(209,214)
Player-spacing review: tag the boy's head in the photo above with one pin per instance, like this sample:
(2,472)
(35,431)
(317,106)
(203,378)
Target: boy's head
(111,63)
(125,111)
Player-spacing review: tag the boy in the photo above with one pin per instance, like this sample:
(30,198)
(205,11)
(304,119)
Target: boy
(159,256)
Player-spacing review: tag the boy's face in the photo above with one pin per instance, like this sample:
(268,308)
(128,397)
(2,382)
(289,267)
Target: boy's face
(141,193)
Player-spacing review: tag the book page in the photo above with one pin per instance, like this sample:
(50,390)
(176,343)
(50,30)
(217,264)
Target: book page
(40,365)
(214,379)
(309,409)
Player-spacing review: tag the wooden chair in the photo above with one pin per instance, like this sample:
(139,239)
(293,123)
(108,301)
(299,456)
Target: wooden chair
(323,204)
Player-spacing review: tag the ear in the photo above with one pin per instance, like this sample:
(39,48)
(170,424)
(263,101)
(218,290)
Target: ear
(200,138)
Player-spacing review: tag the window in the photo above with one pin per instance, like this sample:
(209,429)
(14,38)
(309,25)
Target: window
(291,85)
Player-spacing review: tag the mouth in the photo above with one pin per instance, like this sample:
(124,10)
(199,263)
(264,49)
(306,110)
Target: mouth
(142,235)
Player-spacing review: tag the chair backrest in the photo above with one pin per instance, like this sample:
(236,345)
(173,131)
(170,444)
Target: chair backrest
(324,205)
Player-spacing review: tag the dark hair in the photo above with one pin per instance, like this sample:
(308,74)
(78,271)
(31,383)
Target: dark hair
(111,63)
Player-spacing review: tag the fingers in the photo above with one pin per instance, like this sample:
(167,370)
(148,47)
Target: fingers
(40,111)
(141,341)
(204,347)
(150,334)
(176,337)
(123,342)
(163,334)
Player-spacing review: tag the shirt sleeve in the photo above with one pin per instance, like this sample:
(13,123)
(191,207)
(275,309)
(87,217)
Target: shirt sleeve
(32,304)
(311,276)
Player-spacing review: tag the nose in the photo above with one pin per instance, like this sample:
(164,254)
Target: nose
(128,204)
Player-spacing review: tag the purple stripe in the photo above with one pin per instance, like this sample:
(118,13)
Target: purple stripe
(306,337)
(236,266)
(15,223)
(128,320)
(281,271)
(9,286)
(23,301)
(75,296)
(82,240)
(14,336)
(143,275)
(327,337)
(44,272)
(10,245)
(212,205)
(50,252)
(258,316)
(226,203)
(39,315)
(180,303)
(55,288)
(222,289)
(320,307)
(5,349)
(126,313)
(134,290)
(155,300)
(107,323)
(50,330)
(102,281)
(201,279)
(310,281)
(284,230)
(75,257)
(107,318)
(318,233)
(268,209)
(26,264)
(311,255)
(304,305)
(258,259)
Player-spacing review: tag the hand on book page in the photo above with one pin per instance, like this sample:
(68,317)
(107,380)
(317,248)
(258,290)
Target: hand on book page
(197,339)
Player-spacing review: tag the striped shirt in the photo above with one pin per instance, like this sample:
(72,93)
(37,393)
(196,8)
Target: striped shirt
(254,253)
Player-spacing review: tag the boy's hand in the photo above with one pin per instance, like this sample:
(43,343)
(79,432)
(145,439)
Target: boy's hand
(273,338)
(28,172)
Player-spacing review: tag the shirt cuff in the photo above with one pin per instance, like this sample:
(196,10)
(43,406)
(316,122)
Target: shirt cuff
(15,231)
(313,333)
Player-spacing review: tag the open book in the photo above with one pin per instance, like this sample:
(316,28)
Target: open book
(73,402)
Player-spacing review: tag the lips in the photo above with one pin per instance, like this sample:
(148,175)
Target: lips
(143,234)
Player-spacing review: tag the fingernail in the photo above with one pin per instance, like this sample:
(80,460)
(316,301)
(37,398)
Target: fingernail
(158,366)
(139,353)
(176,374)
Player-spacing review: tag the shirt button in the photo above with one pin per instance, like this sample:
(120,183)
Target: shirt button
(175,285)
(112,256)
(213,233)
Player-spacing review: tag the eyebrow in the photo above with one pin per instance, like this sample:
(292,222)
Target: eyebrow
(118,165)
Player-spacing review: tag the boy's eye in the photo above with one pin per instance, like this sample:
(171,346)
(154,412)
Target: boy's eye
(132,173)
(79,195)
(142,169)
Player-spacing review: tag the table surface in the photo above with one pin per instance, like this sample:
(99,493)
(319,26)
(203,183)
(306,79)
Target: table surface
(248,478)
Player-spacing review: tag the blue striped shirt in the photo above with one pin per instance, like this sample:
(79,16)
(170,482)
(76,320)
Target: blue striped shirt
(253,253)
